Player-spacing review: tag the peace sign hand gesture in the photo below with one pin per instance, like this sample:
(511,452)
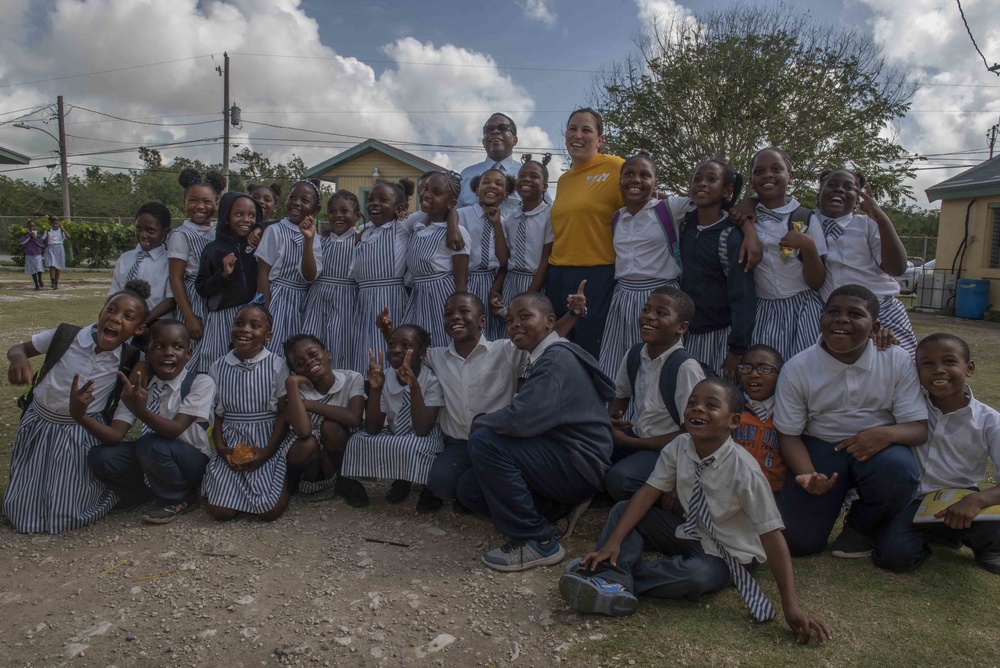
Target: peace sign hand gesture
(376,377)
(405,373)
(134,396)
(866,202)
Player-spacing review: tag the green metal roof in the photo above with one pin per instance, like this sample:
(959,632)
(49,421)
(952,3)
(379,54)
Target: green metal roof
(8,157)
(368,146)
(979,181)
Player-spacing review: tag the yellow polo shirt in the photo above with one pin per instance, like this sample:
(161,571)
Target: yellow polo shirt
(587,198)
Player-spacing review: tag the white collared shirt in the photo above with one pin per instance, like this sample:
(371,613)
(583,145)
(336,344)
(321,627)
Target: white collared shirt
(441,260)
(473,219)
(198,404)
(958,445)
(538,232)
(509,166)
(346,385)
(739,498)
(178,247)
(81,358)
(391,401)
(265,356)
(483,382)
(829,400)
(641,248)
(774,277)
(544,345)
(400,230)
(855,257)
(153,270)
(272,251)
(651,415)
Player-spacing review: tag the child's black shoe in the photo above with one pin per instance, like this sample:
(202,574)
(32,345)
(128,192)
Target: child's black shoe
(428,503)
(399,491)
(352,492)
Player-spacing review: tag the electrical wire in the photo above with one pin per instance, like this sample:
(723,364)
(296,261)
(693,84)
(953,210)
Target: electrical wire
(996,68)
(131,120)
(88,74)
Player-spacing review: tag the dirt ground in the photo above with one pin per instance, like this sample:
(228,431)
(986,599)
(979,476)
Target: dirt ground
(312,588)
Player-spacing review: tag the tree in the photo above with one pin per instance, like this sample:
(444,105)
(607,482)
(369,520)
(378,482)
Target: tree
(734,81)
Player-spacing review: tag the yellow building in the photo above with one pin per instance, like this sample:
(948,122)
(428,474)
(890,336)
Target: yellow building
(969,231)
(357,168)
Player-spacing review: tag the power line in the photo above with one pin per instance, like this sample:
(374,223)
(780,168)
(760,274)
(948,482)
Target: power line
(996,67)
(407,62)
(117,69)
(130,120)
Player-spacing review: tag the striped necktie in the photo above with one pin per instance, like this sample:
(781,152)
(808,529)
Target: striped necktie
(153,404)
(521,245)
(831,230)
(133,273)
(760,607)
(485,244)
(498,166)
(765,215)
(404,419)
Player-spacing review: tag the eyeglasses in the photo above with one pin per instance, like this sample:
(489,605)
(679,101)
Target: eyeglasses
(502,127)
(762,369)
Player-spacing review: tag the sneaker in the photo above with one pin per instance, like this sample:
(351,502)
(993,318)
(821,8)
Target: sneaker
(570,520)
(428,503)
(352,492)
(989,560)
(574,565)
(591,594)
(459,509)
(852,545)
(125,506)
(161,513)
(399,491)
(520,555)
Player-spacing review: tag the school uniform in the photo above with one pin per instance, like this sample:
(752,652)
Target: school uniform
(281,247)
(347,384)
(758,436)
(34,251)
(481,383)
(378,269)
(954,457)
(150,267)
(739,504)
(527,233)
(724,294)
(55,249)
(510,166)
(429,262)
(788,309)
(330,301)
(169,470)
(650,416)
(51,489)
(854,253)
(397,452)
(187,243)
(483,262)
(643,262)
(247,402)
(826,401)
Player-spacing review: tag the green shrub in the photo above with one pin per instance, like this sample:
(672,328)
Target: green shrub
(93,244)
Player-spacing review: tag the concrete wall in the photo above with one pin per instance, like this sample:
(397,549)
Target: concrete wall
(982,226)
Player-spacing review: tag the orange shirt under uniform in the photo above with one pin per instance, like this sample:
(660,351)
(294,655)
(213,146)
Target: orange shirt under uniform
(760,439)
(587,198)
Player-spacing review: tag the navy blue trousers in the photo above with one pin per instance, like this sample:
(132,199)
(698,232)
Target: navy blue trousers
(560,282)
(448,468)
(174,468)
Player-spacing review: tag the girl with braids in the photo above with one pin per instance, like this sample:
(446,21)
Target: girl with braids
(289,258)
(184,249)
(714,277)
(51,488)
(329,304)
(437,270)
(488,253)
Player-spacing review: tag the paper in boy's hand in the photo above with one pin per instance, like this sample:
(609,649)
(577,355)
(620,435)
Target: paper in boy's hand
(935,502)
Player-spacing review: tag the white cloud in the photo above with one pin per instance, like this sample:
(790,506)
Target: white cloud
(663,15)
(538,10)
(321,90)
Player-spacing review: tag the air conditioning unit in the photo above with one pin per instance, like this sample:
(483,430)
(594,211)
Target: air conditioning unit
(936,291)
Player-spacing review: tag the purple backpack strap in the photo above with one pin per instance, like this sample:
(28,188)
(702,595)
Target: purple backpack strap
(614,220)
(667,222)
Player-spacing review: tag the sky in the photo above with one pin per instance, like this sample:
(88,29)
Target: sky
(421,75)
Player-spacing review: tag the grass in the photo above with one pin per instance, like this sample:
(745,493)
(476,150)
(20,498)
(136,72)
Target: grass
(942,614)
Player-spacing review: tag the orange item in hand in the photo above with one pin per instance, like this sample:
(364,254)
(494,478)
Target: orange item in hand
(242,453)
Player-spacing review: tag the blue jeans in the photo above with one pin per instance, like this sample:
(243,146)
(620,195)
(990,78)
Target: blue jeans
(886,484)
(560,282)
(906,544)
(449,467)
(687,572)
(174,468)
(629,473)
(521,483)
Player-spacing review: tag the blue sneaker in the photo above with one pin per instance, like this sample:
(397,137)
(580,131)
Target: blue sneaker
(520,555)
(592,594)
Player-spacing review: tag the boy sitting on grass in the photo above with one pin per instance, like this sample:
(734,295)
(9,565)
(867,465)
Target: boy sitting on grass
(732,523)
(964,433)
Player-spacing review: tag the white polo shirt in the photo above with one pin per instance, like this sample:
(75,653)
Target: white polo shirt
(81,358)
(153,270)
(651,415)
(346,385)
(483,382)
(641,250)
(774,277)
(739,498)
(391,401)
(958,445)
(198,404)
(830,400)
(855,257)
(538,232)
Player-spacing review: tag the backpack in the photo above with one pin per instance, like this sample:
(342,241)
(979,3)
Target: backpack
(186,390)
(666,222)
(61,341)
(668,376)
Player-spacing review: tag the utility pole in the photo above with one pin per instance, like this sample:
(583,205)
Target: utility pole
(225,118)
(63,167)
(991,137)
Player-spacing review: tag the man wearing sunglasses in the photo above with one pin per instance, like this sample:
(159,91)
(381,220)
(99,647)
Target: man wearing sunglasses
(499,140)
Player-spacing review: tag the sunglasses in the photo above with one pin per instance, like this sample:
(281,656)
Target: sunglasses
(762,369)
(502,127)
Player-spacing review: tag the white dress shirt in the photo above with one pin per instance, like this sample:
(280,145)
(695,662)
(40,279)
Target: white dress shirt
(391,401)
(774,277)
(641,250)
(651,415)
(958,445)
(83,358)
(473,219)
(153,270)
(198,404)
(855,257)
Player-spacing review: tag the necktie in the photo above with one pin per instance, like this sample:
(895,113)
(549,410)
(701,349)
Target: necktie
(521,245)
(831,230)
(497,165)
(760,608)
(765,215)
(153,404)
(404,420)
(485,244)
(134,271)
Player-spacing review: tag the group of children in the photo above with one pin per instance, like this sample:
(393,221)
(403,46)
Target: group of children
(524,429)
(45,250)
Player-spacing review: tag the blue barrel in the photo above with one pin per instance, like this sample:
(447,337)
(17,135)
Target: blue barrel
(972,298)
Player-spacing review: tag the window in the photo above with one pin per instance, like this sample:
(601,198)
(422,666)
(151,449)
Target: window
(995,241)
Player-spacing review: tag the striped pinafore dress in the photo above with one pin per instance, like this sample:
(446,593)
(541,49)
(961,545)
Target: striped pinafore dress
(197,237)
(379,265)
(329,305)
(431,286)
(288,287)
(247,401)
(483,265)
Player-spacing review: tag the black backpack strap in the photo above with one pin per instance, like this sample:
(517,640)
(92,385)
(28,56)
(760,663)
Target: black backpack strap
(186,390)
(61,341)
(668,382)
(803,214)
(129,358)
(632,365)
